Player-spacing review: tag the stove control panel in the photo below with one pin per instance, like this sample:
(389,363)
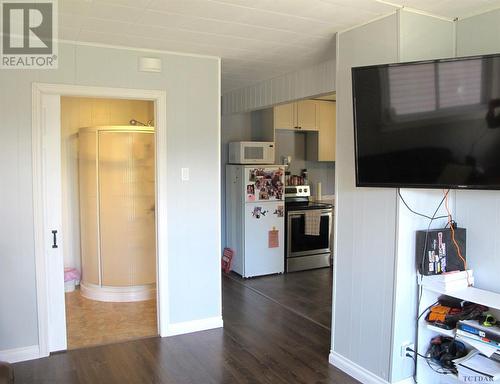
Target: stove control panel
(298,191)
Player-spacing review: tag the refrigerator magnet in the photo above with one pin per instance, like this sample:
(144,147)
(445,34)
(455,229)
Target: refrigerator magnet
(258,212)
(251,192)
(263,194)
(279,211)
(273,238)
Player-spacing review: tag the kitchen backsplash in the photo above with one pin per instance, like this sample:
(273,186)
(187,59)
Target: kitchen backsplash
(290,143)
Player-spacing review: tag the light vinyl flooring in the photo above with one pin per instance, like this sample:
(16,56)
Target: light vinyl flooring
(91,323)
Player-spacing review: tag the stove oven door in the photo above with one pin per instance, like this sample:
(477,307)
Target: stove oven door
(305,251)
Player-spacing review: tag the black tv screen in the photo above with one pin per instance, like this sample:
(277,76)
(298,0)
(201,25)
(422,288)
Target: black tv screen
(432,124)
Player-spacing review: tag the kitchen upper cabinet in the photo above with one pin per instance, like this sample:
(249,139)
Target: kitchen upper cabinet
(300,116)
(307,115)
(284,116)
(321,145)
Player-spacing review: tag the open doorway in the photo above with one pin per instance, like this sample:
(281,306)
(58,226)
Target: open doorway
(108,197)
(282,243)
(50,232)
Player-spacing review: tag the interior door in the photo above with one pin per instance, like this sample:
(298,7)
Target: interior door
(53,241)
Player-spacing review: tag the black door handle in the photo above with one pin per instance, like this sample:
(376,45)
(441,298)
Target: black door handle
(54,239)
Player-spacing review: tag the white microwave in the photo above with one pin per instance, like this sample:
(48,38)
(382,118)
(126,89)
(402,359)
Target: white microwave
(251,152)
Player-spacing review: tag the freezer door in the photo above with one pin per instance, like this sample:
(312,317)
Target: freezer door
(264,238)
(264,183)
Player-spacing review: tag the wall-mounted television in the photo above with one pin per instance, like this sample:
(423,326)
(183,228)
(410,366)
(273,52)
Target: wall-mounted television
(428,124)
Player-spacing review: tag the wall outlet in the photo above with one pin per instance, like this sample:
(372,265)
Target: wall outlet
(406,347)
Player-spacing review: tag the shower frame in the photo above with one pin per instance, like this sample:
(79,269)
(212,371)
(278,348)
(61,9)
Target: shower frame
(98,290)
(47,207)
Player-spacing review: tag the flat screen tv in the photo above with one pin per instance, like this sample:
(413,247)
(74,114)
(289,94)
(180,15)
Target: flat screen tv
(430,124)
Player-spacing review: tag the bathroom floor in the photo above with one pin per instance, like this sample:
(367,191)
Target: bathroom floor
(92,322)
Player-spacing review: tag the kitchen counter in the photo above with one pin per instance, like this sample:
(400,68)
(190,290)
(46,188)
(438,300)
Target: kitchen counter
(328,199)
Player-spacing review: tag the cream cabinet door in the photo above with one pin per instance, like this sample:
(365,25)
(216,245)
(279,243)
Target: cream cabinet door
(327,130)
(284,116)
(307,115)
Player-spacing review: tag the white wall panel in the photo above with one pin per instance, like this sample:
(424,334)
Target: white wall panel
(421,37)
(479,35)
(365,220)
(479,211)
(193,134)
(425,37)
(412,37)
(315,80)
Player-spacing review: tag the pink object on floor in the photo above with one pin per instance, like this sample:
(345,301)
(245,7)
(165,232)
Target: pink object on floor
(71,274)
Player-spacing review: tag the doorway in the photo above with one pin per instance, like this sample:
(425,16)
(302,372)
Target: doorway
(307,156)
(108,219)
(55,226)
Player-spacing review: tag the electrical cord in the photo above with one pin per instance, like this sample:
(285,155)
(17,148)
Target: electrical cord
(431,219)
(459,252)
(429,360)
(418,213)
(439,369)
(426,309)
(422,262)
(418,354)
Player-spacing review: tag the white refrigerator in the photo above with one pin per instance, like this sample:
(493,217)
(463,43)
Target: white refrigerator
(255,222)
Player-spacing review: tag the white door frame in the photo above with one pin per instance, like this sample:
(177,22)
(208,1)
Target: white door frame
(50,330)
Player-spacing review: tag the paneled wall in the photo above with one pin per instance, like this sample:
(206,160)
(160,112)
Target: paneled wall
(192,86)
(478,35)
(315,80)
(375,264)
(365,221)
(421,38)
(479,211)
(75,114)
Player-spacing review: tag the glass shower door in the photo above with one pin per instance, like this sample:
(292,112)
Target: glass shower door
(127,208)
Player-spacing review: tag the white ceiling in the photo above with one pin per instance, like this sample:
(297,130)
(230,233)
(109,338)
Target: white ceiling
(257,39)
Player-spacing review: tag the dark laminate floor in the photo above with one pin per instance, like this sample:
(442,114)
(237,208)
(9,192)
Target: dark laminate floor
(262,342)
(308,293)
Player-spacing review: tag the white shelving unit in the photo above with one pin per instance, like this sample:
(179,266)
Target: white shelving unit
(426,332)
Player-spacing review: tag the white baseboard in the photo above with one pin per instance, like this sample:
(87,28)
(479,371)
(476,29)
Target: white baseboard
(20,354)
(352,369)
(194,326)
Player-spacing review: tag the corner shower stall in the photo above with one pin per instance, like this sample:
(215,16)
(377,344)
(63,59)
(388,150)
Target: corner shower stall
(117,213)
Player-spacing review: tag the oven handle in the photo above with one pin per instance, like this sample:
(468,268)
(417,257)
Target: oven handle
(324,212)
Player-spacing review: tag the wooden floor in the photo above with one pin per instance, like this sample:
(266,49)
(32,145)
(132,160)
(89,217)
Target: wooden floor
(262,342)
(308,293)
(91,322)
